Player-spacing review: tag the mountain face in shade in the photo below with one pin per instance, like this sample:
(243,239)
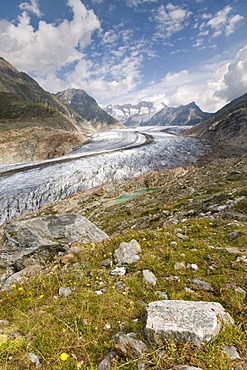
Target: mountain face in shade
(151,114)
(87,108)
(134,115)
(34,125)
(228,126)
(184,115)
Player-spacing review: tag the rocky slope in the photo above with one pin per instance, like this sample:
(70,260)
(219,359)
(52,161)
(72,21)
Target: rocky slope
(184,115)
(150,114)
(176,251)
(34,124)
(87,108)
(228,127)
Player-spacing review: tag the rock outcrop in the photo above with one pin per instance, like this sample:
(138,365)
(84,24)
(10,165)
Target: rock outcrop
(32,242)
(184,321)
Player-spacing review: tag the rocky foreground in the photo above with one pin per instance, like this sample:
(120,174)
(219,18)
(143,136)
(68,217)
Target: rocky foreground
(156,280)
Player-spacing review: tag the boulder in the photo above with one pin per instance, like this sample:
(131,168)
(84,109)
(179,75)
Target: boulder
(127,253)
(184,321)
(31,242)
(127,346)
(149,277)
(47,235)
(50,230)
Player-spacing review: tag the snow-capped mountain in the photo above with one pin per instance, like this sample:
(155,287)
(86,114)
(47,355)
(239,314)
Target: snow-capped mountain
(152,114)
(134,115)
(184,115)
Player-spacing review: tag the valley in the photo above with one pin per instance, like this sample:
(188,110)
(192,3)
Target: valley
(107,157)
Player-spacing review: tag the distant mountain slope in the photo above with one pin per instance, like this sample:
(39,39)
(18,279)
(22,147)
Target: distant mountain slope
(151,114)
(228,126)
(87,107)
(34,124)
(184,115)
(134,115)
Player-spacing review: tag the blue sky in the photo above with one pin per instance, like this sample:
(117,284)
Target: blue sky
(123,51)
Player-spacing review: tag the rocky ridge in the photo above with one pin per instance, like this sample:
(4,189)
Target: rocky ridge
(87,108)
(228,127)
(151,114)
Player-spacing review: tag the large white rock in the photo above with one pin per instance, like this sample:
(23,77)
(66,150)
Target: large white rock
(184,321)
(127,253)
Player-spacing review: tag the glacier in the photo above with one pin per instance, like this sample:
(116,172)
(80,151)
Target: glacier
(108,156)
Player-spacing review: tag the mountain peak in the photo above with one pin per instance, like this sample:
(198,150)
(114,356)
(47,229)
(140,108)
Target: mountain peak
(86,106)
(4,64)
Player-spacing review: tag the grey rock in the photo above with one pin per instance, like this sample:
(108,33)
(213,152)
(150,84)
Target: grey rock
(108,361)
(179,265)
(149,277)
(193,266)
(232,352)
(127,346)
(173,244)
(184,321)
(182,236)
(4,322)
(234,235)
(188,290)
(64,292)
(233,250)
(162,295)
(185,367)
(35,359)
(202,284)
(118,271)
(39,239)
(50,230)
(106,263)
(20,276)
(127,253)
(217,208)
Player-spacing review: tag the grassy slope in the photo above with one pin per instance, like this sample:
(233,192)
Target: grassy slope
(48,325)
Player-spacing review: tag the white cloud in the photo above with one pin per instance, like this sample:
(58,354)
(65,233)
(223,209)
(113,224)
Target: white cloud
(51,46)
(32,7)
(235,78)
(135,3)
(170,19)
(224,22)
(211,86)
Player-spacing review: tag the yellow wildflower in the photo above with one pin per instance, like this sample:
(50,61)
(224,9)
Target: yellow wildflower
(64,356)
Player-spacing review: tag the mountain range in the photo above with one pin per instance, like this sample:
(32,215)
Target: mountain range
(151,114)
(36,125)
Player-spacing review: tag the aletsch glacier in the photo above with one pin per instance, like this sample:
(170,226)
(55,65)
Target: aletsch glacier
(26,187)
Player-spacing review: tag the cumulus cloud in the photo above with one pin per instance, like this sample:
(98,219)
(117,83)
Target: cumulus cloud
(235,78)
(51,46)
(32,7)
(170,19)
